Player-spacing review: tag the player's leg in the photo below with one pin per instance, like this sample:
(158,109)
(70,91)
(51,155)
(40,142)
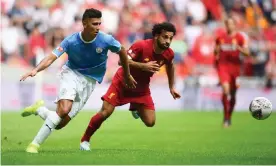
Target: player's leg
(78,104)
(147,116)
(110,100)
(225,84)
(95,123)
(226,97)
(37,108)
(145,109)
(64,106)
(232,101)
(233,91)
(67,94)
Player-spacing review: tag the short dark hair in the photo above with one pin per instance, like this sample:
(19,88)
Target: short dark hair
(91,13)
(157,28)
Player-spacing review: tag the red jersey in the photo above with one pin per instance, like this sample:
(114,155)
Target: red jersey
(229,55)
(142,51)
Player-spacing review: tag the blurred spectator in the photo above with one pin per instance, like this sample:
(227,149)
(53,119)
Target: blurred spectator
(269,9)
(228,5)
(13,40)
(254,15)
(180,48)
(203,48)
(214,9)
(197,11)
(260,54)
(36,43)
(31,29)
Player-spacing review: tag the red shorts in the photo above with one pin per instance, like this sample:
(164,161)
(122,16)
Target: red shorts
(118,95)
(229,75)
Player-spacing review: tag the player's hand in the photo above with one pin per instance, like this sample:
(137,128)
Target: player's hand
(151,66)
(130,82)
(29,74)
(175,94)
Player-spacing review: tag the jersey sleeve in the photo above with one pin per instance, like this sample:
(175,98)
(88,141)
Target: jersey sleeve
(242,39)
(63,47)
(170,57)
(113,44)
(135,50)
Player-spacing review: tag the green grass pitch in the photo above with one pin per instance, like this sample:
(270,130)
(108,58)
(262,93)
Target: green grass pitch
(178,138)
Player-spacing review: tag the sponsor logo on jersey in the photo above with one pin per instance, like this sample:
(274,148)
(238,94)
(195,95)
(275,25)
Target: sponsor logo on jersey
(99,50)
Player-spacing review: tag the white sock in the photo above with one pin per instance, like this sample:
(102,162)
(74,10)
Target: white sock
(43,112)
(49,125)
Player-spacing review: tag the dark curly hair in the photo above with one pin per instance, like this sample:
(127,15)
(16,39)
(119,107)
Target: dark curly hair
(157,28)
(91,13)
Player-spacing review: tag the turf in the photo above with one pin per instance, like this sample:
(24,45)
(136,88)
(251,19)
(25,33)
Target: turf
(177,138)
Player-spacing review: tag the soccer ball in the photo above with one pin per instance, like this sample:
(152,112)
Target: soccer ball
(260,108)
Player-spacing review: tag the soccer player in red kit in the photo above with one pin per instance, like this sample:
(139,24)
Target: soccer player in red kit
(145,58)
(228,48)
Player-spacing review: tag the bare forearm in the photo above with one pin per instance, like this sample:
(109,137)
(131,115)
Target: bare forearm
(244,51)
(170,74)
(124,61)
(46,62)
(136,65)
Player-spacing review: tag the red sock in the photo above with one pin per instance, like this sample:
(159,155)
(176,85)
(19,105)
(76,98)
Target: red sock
(232,104)
(226,106)
(93,126)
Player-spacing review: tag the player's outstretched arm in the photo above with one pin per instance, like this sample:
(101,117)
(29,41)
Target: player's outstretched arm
(46,62)
(171,78)
(130,82)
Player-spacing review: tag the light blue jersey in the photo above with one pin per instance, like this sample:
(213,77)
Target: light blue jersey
(88,58)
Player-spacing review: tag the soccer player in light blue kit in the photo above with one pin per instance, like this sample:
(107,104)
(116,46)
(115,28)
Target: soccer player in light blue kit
(86,65)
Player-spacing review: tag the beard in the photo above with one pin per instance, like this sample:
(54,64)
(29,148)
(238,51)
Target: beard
(162,46)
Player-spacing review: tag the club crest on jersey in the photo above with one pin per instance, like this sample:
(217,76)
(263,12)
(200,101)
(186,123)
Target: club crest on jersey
(99,50)
(146,59)
(60,49)
(111,95)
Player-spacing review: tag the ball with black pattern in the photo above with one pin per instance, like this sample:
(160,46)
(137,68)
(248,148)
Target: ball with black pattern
(260,108)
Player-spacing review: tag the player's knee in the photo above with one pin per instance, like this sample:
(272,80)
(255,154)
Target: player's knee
(106,113)
(226,89)
(64,108)
(107,110)
(63,111)
(150,123)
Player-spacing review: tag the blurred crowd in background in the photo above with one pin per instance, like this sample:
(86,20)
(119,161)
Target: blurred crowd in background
(35,27)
